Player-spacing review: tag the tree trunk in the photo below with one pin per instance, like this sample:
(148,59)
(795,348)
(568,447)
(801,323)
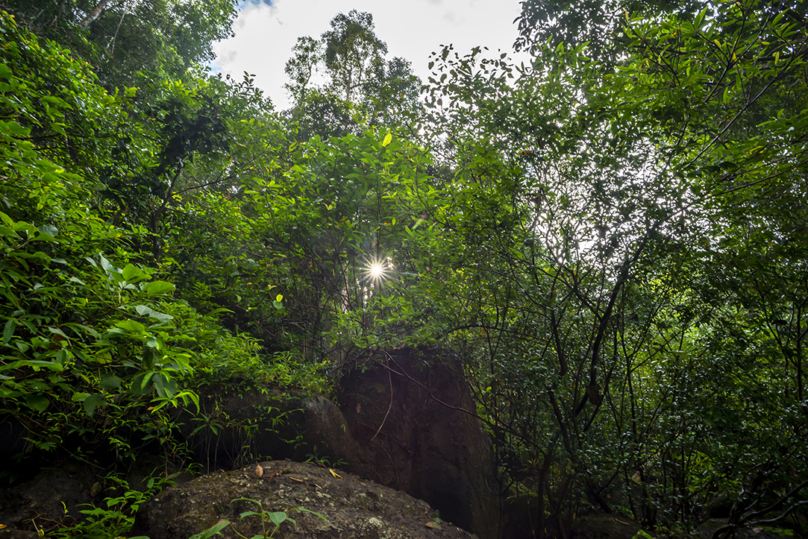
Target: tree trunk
(94,14)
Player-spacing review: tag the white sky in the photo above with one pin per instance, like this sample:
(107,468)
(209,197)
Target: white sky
(412,29)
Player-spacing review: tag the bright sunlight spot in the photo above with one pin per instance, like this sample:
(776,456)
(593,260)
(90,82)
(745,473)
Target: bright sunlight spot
(376,270)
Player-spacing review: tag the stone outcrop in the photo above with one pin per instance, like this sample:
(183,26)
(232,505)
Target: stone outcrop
(408,417)
(53,497)
(402,421)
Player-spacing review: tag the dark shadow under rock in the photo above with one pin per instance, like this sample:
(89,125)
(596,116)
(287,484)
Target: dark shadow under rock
(353,508)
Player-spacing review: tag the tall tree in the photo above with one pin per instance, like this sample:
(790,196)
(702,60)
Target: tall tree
(361,87)
(351,50)
(122,38)
(599,23)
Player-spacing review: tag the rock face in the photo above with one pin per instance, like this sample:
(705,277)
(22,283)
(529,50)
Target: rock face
(43,497)
(406,417)
(400,423)
(353,508)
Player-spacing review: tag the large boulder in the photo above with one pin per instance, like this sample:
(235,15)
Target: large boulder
(411,416)
(404,420)
(352,508)
(53,498)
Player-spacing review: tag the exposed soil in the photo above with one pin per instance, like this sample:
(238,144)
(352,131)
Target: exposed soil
(354,508)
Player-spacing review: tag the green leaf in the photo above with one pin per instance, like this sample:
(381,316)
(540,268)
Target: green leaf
(157,288)
(142,310)
(49,230)
(92,402)
(79,397)
(59,332)
(130,326)
(5,72)
(210,532)
(162,317)
(700,18)
(8,332)
(34,364)
(315,513)
(37,403)
(110,382)
(132,274)
(279,518)
(387,139)
(105,265)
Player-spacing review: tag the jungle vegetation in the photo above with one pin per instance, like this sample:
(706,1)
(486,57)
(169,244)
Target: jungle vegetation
(612,239)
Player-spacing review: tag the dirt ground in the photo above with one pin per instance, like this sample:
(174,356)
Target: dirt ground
(352,508)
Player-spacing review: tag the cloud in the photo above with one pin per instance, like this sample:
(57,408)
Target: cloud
(266,31)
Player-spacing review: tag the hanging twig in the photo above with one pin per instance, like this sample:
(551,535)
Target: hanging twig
(389,407)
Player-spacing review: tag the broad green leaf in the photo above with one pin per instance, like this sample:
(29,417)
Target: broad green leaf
(130,326)
(57,331)
(92,402)
(279,517)
(105,265)
(49,230)
(162,317)
(387,139)
(133,274)
(143,310)
(110,382)
(157,288)
(38,403)
(39,386)
(35,364)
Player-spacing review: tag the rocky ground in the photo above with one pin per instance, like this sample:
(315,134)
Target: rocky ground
(351,507)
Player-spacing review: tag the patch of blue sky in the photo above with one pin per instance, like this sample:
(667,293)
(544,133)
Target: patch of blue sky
(243,4)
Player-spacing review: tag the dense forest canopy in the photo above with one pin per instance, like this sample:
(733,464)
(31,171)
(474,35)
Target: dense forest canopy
(612,240)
